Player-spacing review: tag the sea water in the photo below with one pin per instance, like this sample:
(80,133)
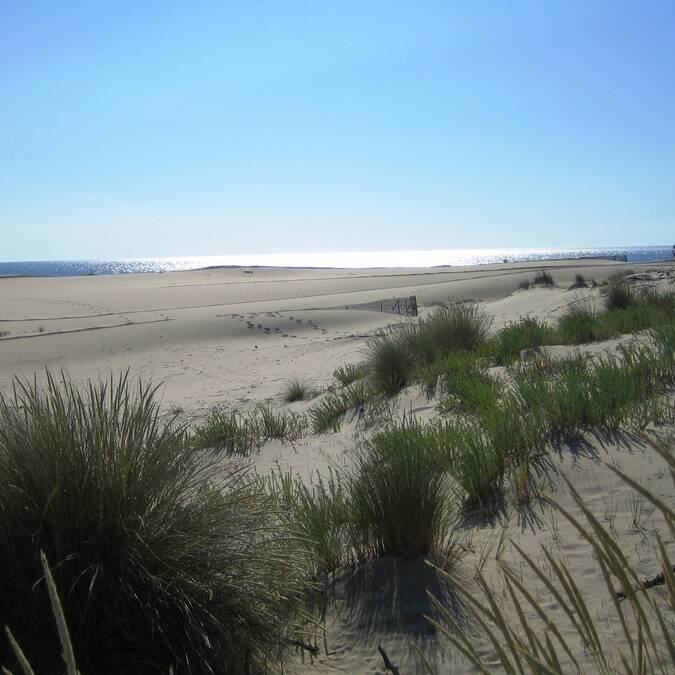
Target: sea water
(363,259)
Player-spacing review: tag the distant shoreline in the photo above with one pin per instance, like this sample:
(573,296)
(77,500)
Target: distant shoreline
(369,260)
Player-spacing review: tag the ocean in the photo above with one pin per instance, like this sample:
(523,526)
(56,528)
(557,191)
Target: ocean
(363,259)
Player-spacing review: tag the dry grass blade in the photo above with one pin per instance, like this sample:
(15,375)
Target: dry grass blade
(57,611)
(18,653)
(542,614)
(531,646)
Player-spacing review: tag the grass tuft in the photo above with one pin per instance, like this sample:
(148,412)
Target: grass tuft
(527,333)
(230,432)
(618,293)
(156,568)
(389,361)
(351,372)
(527,646)
(270,424)
(543,278)
(297,390)
(402,500)
(327,415)
(396,356)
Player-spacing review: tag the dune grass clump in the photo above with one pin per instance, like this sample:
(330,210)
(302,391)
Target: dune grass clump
(328,414)
(65,641)
(321,513)
(618,293)
(271,424)
(157,569)
(578,392)
(460,326)
(543,278)
(390,363)
(443,374)
(516,431)
(399,355)
(402,501)
(474,462)
(297,390)
(540,642)
(527,333)
(470,391)
(228,431)
(351,372)
(580,324)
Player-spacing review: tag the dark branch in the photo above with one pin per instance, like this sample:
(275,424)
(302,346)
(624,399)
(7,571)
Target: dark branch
(387,663)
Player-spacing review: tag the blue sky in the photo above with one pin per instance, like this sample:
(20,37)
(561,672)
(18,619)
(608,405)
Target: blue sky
(167,128)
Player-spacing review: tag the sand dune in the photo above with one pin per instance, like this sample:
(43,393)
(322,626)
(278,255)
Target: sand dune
(232,334)
(232,337)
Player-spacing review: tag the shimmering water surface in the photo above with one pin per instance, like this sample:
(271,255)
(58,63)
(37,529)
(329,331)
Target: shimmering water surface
(338,260)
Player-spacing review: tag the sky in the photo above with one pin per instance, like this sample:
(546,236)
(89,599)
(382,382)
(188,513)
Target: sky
(133,129)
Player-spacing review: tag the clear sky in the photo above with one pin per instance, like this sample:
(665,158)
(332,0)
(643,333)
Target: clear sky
(211,128)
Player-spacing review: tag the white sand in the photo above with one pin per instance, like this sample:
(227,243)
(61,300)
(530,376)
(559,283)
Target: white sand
(230,337)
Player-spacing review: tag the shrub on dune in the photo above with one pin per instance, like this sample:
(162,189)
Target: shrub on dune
(157,568)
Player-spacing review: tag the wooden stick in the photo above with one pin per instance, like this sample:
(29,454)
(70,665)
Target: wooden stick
(387,663)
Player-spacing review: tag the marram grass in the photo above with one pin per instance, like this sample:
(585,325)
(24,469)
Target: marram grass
(513,629)
(156,567)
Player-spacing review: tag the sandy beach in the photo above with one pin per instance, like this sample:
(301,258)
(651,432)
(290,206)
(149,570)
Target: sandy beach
(229,338)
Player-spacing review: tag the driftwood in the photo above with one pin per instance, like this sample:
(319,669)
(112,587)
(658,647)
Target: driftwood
(387,663)
(658,580)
